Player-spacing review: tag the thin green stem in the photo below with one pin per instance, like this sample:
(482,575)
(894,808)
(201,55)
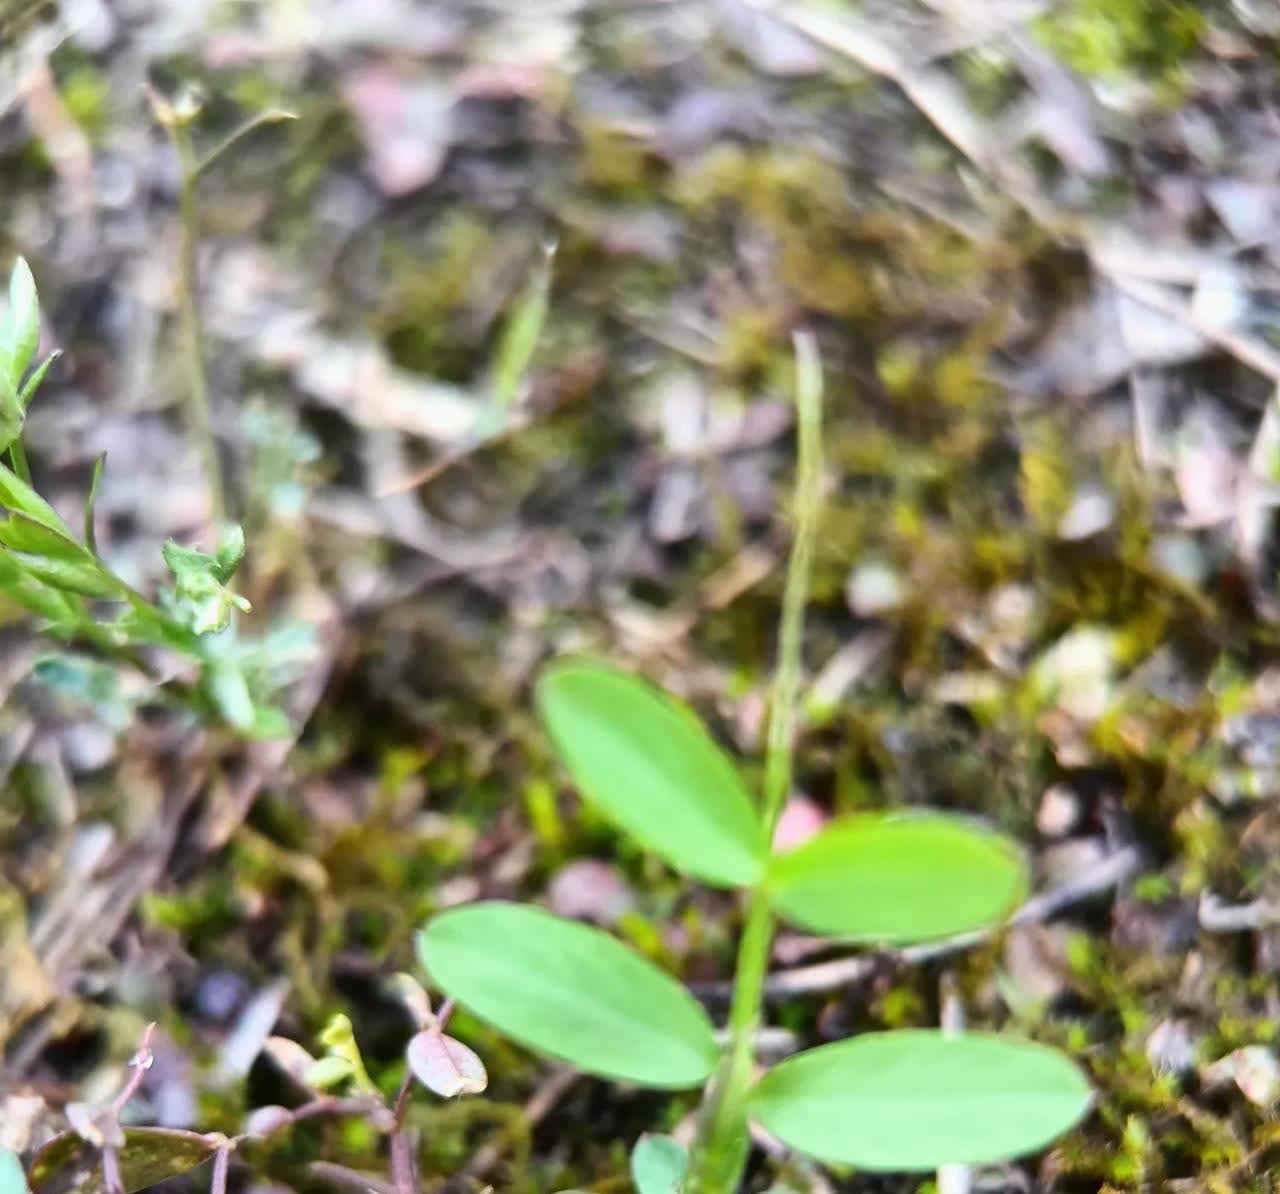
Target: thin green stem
(808,501)
(720,1149)
(199,410)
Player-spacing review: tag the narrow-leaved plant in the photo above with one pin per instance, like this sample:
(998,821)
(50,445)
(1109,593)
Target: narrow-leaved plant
(59,576)
(909,1100)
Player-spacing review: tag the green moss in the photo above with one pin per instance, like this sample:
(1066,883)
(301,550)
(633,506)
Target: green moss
(1109,37)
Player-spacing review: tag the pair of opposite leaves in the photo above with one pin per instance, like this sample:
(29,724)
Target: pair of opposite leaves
(900,1100)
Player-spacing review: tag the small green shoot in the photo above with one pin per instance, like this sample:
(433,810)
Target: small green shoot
(907,1100)
(78,599)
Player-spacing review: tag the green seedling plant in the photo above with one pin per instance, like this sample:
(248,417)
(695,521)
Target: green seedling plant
(909,1100)
(60,577)
(101,1152)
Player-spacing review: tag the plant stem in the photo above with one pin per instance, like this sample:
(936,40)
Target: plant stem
(221,1162)
(402,1167)
(720,1150)
(199,411)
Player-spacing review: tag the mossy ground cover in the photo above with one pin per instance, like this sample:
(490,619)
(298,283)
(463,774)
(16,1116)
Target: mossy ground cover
(1044,589)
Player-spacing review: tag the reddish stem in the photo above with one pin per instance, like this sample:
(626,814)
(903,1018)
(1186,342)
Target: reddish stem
(402,1167)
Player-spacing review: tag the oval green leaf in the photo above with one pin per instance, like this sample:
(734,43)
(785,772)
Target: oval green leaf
(898,878)
(650,766)
(658,1164)
(70,1165)
(916,1099)
(570,991)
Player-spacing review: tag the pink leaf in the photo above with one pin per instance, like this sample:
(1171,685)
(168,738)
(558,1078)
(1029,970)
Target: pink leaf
(445,1066)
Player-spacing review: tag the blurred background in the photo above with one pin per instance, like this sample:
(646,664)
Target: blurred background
(1038,245)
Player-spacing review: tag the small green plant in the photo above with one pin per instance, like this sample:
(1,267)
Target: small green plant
(905,1100)
(61,579)
(99,1153)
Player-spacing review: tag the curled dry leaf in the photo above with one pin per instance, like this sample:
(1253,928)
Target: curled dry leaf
(445,1066)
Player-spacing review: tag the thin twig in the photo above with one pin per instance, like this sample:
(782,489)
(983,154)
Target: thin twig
(1245,349)
(352,1179)
(111,1179)
(1215,916)
(139,1063)
(221,1163)
(402,1161)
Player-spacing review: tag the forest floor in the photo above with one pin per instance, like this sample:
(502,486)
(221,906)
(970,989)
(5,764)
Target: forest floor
(1039,245)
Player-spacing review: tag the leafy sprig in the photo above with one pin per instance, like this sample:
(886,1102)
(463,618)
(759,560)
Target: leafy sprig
(78,598)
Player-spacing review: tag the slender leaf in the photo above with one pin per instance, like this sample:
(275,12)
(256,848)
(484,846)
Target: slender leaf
(520,337)
(22,322)
(916,1099)
(16,494)
(570,991)
(226,687)
(898,878)
(70,1165)
(20,532)
(70,576)
(12,416)
(648,764)
(229,552)
(35,596)
(658,1164)
(32,383)
(90,533)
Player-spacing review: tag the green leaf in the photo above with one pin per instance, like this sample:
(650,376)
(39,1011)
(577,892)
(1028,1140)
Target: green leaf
(16,494)
(22,323)
(84,680)
(229,552)
(12,416)
(69,576)
(20,532)
(225,686)
(37,376)
(90,533)
(649,765)
(12,1179)
(342,1061)
(201,599)
(520,338)
(570,991)
(920,1098)
(70,1165)
(32,595)
(897,878)
(658,1164)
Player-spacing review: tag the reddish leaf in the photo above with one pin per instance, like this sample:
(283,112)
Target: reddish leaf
(445,1066)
